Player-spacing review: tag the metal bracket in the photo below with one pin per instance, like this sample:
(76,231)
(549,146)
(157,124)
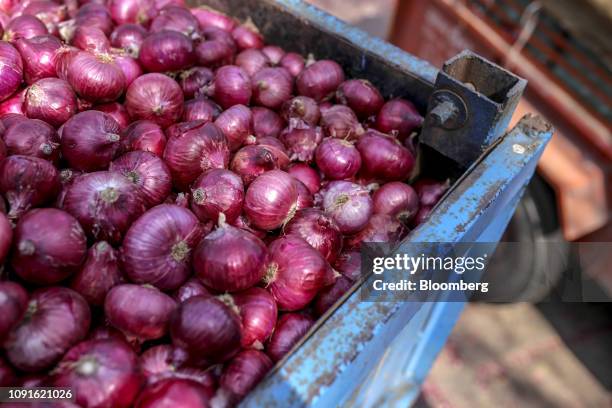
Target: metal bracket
(471,106)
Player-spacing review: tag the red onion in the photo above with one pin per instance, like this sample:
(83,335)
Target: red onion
(128,65)
(430,191)
(165,51)
(247,36)
(100,373)
(361,96)
(258,312)
(396,199)
(338,159)
(244,223)
(195,79)
(198,147)
(217,191)
(156,364)
(11,70)
(232,86)
(319,230)
(38,56)
(421,216)
(146,136)
(236,123)
(380,228)
(95,77)
(274,53)
(230,259)
(398,117)
(9,119)
(155,97)
(148,172)
(214,53)
(127,11)
(252,161)
(56,319)
(384,157)
(208,17)
(51,100)
(189,289)
(91,39)
(7,374)
(27,182)
(175,392)
(296,272)
(128,37)
(62,59)
(24,26)
(301,109)
(320,80)
(340,121)
(277,148)
(7,5)
(99,273)
(206,329)
(157,247)
(329,295)
(271,200)
(14,104)
(349,264)
(116,111)
(47,11)
(242,374)
(305,197)
(307,175)
(105,204)
(266,122)
(252,61)
(13,297)
(301,142)
(140,312)
(94,15)
(292,62)
(201,109)
(272,87)
(348,204)
(91,140)
(67,177)
(34,138)
(106,332)
(174,18)
(291,327)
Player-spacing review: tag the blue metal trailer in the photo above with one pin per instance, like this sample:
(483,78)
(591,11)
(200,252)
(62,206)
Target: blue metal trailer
(376,354)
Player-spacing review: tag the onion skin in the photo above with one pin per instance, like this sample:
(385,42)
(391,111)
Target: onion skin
(291,327)
(320,80)
(33,138)
(272,87)
(338,159)
(145,136)
(193,287)
(99,273)
(166,51)
(349,264)
(301,142)
(305,197)
(307,175)
(201,109)
(9,119)
(252,61)
(128,37)
(157,248)
(430,191)
(271,200)
(349,205)
(126,11)
(207,329)
(217,191)
(236,123)
(274,53)
(195,80)
(56,319)
(51,100)
(208,17)
(243,373)
(266,122)
(398,117)
(258,312)
(27,182)
(178,19)
(13,300)
(95,78)
(156,364)
(140,312)
(244,223)
(91,39)
(197,148)
(340,121)
(396,199)
(38,57)
(24,26)
(319,230)
(49,12)
(421,216)
(277,148)
(175,392)
(252,161)
(94,15)
(301,109)
(296,272)
(329,295)
(101,373)
(380,228)
(361,96)
(232,86)
(105,204)
(117,111)
(155,97)
(294,63)
(247,36)
(128,65)
(214,53)
(383,157)
(11,70)
(14,104)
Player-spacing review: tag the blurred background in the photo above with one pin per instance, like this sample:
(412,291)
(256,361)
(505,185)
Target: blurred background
(550,354)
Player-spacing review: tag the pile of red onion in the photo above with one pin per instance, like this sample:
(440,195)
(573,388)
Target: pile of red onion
(179,202)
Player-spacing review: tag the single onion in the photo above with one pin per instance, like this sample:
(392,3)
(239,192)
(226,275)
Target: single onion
(175,392)
(94,15)
(384,157)
(217,191)
(91,140)
(13,297)
(201,109)
(396,199)
(195,79)
(430,191)
(179,19)
(252,161)
(214,53)
(291,327)
(252,61)
(294,63)
(14,104)
(62,58)
(117,111)
(380,228)
(206,330)
(11,70)
(242,374)
(247,36)
(208,17)
(301,109)
(296,272)
(140,312)
(7,374)
(307,175)
(319,230)
(34,138)
(128,65)
(193,287)
(236,123)
(55,320)
(146,136)
(398,117)
(361,96)
(348,204)
(301,142)
(47,11)
(274,53)
(266,122)
(24,26)
(51,100)
(232,86)
(349,264)
(126,11)
(91,39)
(340,121)
(99,273)
(38,56)
(305,197)
(105,203)
(338,159)
(276,147)
(155,97)
(27,182)
(100,373)
(95,77)
(258,313)
(329,295)
(272,87)
(196,148)
(165,51)
(128,37)
(157,247)
(271,200)
(320,79)
(156,364)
